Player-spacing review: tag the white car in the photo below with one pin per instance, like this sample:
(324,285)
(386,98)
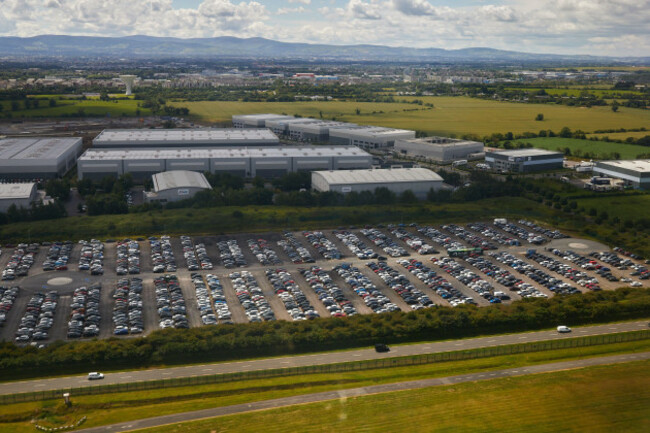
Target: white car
(563,329)
(95,376)
(636,284)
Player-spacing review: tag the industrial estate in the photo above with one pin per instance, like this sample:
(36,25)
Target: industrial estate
(234,244)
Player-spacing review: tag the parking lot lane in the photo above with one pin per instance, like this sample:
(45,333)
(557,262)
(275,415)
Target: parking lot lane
(106,308)
(419,284)
(59,328)
(210,243)
(177,249)
(267,290)
(387,291)
(8,330)
(482,302)
(189,293)
(343,249)
(236,309)
(521,254)
(149,308)
(145,257)
(310,294)
(358,304)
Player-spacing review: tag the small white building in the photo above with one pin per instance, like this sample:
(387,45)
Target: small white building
(19,194)
(397,180)
(176,185)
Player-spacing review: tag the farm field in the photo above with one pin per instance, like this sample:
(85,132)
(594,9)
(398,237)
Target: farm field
(70,107)
(109,408)
(600,149)
(621,135)
(450,115)
(608,93)
(598,399)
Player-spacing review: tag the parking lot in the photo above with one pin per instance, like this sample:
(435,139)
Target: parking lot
(85,289)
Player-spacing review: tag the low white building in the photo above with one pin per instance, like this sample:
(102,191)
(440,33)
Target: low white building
(397,180)
(442,149)
(19,194)
(176,185)
(368,137)
(635,173)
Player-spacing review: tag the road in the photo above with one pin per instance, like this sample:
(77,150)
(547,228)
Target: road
(313,359)
(359,392)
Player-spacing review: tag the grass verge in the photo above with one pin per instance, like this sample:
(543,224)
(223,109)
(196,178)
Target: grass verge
(111,408)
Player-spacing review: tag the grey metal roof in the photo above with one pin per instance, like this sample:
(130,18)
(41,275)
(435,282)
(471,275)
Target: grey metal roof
(179,179)
(380,176)
(188,136)
(639,165)
(441,141)
(36,148)
(220,152)
(16,190)
(526,152)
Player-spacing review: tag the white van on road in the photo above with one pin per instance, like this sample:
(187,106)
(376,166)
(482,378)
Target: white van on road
(563,329)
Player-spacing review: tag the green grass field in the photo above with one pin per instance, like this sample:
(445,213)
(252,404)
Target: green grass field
(91,107)
(451,115)
(598,399)
(621,135)
(115,407)
(608,93)
(624,207)
(599,148)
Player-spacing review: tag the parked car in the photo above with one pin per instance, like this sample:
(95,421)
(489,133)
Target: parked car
(95,376)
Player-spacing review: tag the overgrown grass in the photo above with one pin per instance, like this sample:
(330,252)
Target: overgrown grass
(72,107)
(597,399)
(111,408)
(600,149)
(451,115)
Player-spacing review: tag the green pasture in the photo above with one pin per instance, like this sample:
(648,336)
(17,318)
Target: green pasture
(597,399)
(68,107)
(450,115)
(607,93)
(601,149)
(623,207)
(116,407)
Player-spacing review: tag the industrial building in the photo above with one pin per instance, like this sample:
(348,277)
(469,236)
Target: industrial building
(256,120)
(397,180)
(441,149)
(190,138)
(19,194)
(368,137)
(247,162)
(281,126)
(635,173)
(524,160)
(315,131)
(176,185)
(37,158)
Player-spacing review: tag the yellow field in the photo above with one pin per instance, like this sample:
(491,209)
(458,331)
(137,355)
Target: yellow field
(451,115)
(621,135)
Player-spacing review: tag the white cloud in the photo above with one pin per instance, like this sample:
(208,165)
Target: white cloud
(304,2)
(285,11)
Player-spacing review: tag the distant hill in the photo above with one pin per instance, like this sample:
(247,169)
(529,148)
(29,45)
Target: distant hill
(152,47)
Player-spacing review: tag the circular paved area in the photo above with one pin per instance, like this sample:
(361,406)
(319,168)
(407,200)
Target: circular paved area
(583,245)
(63,282)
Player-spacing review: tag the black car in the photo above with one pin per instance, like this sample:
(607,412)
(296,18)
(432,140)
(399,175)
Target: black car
(381,348)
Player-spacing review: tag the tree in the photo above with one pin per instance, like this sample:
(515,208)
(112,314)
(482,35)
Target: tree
(14,106)
(615,106)
(408,197)
(539,117)
(565,132)
(52,102)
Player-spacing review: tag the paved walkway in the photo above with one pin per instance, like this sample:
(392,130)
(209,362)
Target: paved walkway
(358,392)
(60,383)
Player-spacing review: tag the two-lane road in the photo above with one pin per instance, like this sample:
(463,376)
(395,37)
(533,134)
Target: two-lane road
(313,359)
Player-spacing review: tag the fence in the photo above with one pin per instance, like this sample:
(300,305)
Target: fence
(484,352)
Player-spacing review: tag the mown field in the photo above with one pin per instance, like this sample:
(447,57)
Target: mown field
(599,148)
(116,407)
(621,135)
(599,399)
(70,107)
(450,115)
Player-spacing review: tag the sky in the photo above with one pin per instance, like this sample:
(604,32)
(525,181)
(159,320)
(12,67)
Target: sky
(596,27)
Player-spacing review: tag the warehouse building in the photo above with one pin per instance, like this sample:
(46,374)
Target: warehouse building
(37,158)
(176,185)
(368,137)
(281,126)
(441,149)
(635,173)
(179,138)
(246,162)
(19,194)
(316,131)
(524,160)
(397,180)
(256,120)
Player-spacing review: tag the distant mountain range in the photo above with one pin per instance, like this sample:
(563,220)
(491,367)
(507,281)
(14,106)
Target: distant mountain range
(231,47)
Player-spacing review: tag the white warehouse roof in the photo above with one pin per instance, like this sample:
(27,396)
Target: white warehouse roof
(204,136)
(639,165)
(16,190)
(41,148)
(179,179)
(225,152)
(378,176)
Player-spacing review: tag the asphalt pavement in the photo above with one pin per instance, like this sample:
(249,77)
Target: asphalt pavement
(359,392)
(60,383)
